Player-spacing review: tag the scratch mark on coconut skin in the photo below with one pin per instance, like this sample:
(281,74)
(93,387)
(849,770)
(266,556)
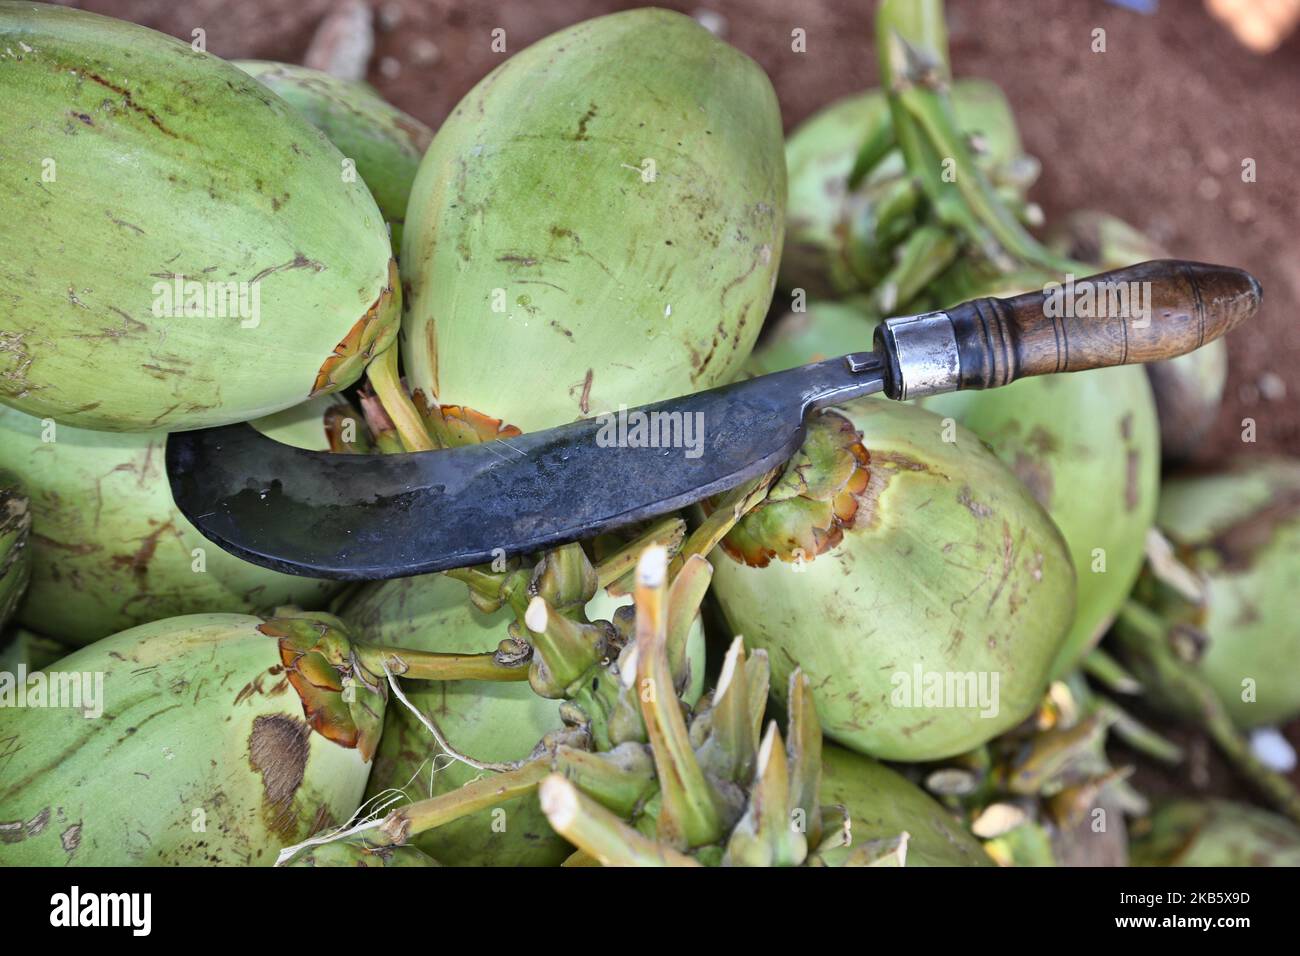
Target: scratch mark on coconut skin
(1131,495)
(138,561)
(123,223)
(15,831)
(762,254)
(542,282)
(161,372)
(164,413)
(16,383)
(587,117)
(71,839)
(80,549)
(127,98)
(299,261)
(967,500)
(584,399)
(1009,551)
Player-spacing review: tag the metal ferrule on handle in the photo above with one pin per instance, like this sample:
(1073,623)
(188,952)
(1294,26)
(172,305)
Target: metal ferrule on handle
(923,357)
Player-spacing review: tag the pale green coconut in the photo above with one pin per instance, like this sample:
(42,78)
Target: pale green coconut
(188,743)
(491,722)
(1217,833)
(385,144)
(597,223)
(1087,446)
(1239,530)
(882,804)
(109,547)
(189,252)
(896,551)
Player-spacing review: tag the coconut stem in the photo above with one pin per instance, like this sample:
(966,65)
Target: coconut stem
(597,832)
(688,815)
(1110,672)
(1272,785)
(685,595)
(1141,737)
(1143,634)
(427,665)
(384,379)
(402,824)
(387,441)
(915,71)
(669,532)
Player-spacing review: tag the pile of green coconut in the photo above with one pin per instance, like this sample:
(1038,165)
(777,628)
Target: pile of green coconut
(957,631)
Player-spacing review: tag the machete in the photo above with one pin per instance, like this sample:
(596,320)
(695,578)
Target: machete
(352,517)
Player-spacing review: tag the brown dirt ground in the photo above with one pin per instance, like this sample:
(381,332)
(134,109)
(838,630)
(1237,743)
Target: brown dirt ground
(1153,130)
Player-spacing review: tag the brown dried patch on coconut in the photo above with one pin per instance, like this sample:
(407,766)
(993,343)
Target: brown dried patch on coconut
(1238,544)
(1036,476)
(819,494)
(137,562)
(371,334)
(278,747)
(1132,480)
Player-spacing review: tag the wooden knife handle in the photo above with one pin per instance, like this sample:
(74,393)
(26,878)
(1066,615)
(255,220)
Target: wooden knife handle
(1144,313)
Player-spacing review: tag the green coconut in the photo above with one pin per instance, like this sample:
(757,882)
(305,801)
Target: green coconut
(1087,446)
(597,223)
(491,722)
(15,548)
(1217,833)
(1239,531)
(109,547)
(1084,444)
(190,252)
(385,144)
(912,577)
(840,241)
(211,739)
(882,804)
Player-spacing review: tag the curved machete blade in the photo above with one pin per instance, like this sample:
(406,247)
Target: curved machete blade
(353,517)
